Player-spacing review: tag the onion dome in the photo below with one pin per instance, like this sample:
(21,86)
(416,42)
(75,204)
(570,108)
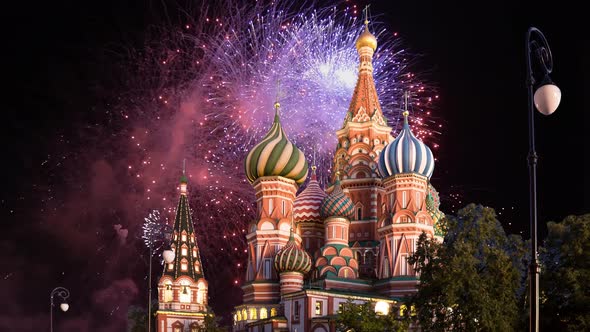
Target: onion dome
(366,39)
(275,155)
(291,258)
(308,203)
(406,154)
(337,204)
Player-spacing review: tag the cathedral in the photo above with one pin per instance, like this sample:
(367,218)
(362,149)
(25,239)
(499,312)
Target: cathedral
(311,252)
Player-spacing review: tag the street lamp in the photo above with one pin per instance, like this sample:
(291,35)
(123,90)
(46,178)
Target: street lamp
(546,99)
(64,306)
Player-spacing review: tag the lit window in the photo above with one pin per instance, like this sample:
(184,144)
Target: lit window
(184,265)
(196,267)
(195,252)
(170,266)
(244,316)
(238,316)
(340,307)
(177,329)
(318,307)
(168,293)
(183,237)
(253,313)
(184,251)
(273,312)
(263,313)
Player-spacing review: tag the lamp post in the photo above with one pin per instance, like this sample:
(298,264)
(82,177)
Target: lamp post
(546,99)
(64,306)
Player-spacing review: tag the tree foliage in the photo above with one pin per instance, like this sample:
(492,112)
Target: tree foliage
(565,275)
(473,280)
(354,317)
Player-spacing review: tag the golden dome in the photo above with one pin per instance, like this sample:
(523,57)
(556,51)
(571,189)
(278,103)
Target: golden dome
(366,39)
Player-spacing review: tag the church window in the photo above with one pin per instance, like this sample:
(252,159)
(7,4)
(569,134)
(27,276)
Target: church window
(296,311)
(359,214)
(404,265)
(270,206)
(418,200)
(283,202)
(404,200)
(168,293)
(194,252)
(184,265)
(318,308)
(183,236)
(244,316)
(184,250)
(253,313)
(267,270)
(263,313)
(170,266)
(273,312)
(238,316)
(197,267)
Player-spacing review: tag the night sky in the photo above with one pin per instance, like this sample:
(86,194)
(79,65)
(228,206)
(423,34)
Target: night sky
(59,64)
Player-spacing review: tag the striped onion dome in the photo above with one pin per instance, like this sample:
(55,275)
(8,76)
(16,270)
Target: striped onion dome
(291,258)
(337,204)
(406,154)
(276,155)
(308,203)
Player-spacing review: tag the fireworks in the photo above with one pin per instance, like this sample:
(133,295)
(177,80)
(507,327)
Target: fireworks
(155,231)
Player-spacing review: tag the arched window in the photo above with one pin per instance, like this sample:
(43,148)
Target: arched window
(253,313)
(263,313)
(168,292)
(195,252)
(244,315)
(185,293)
(273,312)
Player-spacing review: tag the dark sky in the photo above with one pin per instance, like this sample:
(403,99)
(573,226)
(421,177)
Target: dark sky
(53,57)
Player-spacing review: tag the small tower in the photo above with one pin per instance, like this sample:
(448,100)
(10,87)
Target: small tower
(292,263)
(336,258)
(406,165)
(306,213)
(275,167)
(182,289)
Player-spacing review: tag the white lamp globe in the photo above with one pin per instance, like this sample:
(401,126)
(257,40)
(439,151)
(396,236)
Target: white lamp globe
(382,308)
(168,256)
(547,98)
(64,307)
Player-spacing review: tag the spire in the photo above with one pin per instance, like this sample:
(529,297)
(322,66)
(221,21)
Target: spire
(183,179)
(406,113)
(187,258)
(365,102)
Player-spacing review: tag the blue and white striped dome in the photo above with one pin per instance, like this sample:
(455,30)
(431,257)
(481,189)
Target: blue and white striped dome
(406,154)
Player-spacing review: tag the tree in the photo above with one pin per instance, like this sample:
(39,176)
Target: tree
(136,319)
(565,275)
(354,317)
(211,323)
(469,282)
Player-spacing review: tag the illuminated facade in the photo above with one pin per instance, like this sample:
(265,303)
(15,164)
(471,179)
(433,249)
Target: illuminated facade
(182,289)
(352,240)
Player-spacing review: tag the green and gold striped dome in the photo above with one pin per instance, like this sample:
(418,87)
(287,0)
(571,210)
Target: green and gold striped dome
(291,258)
(276,155)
